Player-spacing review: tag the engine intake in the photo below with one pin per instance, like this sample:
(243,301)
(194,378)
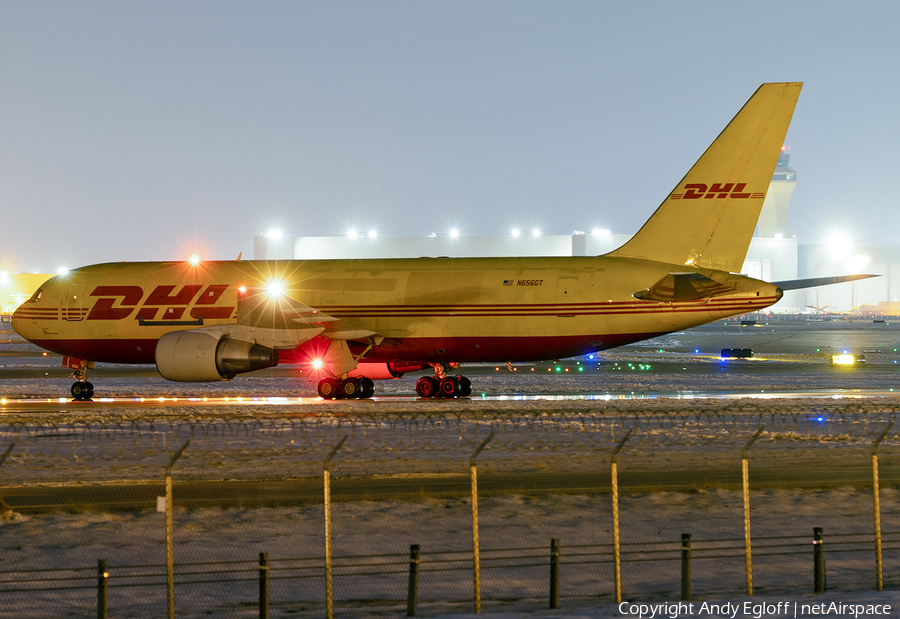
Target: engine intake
(198,356)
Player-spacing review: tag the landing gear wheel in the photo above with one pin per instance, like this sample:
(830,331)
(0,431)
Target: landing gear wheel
(351,388)
(328,389)
(82,391)
(450,387)
(465,387)
(426,387)
(367,388)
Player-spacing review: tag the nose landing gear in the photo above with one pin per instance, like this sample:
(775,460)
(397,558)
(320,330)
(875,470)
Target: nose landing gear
(82,390)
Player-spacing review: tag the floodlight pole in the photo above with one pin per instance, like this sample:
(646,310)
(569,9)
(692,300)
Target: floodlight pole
(326,471)
(170,566)
(875,492)
(476,561)
(745,483)
(615,504)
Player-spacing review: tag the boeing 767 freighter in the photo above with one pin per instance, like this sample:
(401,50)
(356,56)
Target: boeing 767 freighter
(358,320)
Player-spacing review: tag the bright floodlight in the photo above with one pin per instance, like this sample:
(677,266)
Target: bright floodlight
(515,232)
(274,234)
(62,270)
(599,232)
(194,259)
(373,233)
(454,233)
(4,277)
(536,232)
(352,233)
(839,245)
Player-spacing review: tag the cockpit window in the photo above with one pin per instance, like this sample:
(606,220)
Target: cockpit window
(36,296)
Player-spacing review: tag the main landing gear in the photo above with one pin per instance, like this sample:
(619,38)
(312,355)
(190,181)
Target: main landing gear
(443,386)
(346,388)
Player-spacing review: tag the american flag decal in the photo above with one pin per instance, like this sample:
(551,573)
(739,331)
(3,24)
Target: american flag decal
(507,282)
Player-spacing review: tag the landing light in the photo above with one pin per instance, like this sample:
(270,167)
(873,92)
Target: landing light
(275,289)
(62,270)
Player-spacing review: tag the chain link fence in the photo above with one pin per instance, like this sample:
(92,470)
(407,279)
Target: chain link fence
(249,515)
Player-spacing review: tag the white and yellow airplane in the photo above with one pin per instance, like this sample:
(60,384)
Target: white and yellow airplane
(359,320)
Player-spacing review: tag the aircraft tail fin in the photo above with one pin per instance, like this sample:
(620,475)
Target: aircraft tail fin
(709,218)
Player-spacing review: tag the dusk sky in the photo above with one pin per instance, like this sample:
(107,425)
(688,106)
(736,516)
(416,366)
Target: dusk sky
(145,131)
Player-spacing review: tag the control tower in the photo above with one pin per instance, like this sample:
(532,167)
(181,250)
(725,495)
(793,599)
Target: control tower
(774,220)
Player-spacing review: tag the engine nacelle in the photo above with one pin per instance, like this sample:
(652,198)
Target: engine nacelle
(384,371)
(199,356)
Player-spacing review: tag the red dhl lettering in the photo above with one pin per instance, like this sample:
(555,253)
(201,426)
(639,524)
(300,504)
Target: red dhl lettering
(695,191)
(120,302)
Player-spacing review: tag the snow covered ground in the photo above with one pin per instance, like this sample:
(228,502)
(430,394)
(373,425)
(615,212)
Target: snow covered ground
(442,526)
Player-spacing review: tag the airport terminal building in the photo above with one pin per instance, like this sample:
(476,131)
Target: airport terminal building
(774,254)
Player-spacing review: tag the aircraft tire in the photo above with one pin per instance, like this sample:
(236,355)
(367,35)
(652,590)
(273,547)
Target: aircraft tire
(367,387)
(351,388)
(79,391)
(426,387)
(89,388)
(328,389)
(465,387)
(450,387)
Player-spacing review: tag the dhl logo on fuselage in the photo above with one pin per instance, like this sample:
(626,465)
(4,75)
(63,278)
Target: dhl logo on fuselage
(695,191)
(119,302)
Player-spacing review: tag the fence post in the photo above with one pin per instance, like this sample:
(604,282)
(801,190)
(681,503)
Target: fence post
(877,508)
(554,573)
(476,561)
(686,567)
(264,585)
(745,479)
(4,508)
(170,565)
(615,503)
(102,578)
(818,561)
(412,593)
(326,474)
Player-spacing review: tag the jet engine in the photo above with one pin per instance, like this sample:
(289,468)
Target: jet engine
(199,356)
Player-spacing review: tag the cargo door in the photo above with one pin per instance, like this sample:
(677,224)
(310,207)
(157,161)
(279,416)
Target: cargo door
(74,302)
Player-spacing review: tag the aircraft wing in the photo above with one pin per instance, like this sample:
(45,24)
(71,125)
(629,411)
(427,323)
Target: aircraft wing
(277,320)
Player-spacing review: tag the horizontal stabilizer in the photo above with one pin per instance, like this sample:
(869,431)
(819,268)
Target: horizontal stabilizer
(798,284)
